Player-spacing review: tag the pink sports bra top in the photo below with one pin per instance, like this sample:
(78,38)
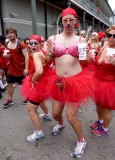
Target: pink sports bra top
(60,50)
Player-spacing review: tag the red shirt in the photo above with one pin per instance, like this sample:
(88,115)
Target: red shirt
(4,62)
(17,61)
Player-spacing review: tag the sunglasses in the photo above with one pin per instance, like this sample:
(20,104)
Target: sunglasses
(35,43)
(70,20)
(93,35)
(43,40)
(110,35)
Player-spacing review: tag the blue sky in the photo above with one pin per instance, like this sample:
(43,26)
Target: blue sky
(112,4)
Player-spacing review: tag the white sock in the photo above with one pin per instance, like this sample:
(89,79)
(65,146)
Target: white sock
(105,129)
(39,132)
(101,121)
(47,114)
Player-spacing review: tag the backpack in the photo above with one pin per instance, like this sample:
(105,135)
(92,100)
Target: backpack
(18,45)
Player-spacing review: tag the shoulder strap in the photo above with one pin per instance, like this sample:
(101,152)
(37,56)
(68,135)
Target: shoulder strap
(18,45)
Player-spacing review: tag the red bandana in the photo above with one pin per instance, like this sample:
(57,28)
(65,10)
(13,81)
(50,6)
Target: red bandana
(36,37)
(69,11)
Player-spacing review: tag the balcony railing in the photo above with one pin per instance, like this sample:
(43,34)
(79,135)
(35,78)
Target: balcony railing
(91,7)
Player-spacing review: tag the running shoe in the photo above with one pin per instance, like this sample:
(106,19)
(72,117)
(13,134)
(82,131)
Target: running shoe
(57,129)
(8,103)
(35,137)
(96,124)
(100,132)
(45,117)
(79,150)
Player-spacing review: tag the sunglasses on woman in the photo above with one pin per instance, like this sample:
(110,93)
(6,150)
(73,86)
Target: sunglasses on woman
(35,43)
(110,35)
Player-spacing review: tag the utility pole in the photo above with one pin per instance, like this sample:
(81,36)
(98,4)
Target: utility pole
(34,26)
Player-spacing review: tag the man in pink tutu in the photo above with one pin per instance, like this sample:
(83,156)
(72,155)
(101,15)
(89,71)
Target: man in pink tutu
(105,85)
(71,85)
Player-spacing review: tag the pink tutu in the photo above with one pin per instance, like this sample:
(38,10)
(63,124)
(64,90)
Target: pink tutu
(72,89)
(36,92)
(105,94)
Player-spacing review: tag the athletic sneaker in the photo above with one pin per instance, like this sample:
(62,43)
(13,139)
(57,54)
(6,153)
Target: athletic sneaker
(100,132)
(57,129)
(8,103)
(79,150)
(96,124)
(35,136)
(45,117)
(25,102)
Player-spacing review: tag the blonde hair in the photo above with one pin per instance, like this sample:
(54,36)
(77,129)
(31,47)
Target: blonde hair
(110,28)
(96,34)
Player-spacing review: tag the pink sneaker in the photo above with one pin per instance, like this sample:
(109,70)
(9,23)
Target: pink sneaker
(100,132)
(96,124)
(8,103)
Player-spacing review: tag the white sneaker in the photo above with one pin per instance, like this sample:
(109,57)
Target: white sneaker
(45,117)
(79,150)
(57,129)
(35,136)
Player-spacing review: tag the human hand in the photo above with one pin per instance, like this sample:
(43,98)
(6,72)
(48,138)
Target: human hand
(26,72)
(110,59)
(5,54)
(50,46)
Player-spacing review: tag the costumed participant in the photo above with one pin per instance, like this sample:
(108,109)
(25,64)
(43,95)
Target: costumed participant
(102,38)
(94,47)
(4,61)
(34,86)
(105,85)
(71,85)
(46,115)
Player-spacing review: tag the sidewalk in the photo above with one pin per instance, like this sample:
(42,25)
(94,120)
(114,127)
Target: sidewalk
(15,126)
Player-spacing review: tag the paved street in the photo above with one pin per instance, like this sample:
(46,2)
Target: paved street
(15,126)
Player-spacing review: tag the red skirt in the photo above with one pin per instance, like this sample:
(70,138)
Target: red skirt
(36,92)
(105,94)
(72,89)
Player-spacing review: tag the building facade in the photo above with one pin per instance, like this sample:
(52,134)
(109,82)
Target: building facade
(43,17)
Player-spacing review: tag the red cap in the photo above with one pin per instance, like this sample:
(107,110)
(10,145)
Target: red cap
(69,10)
(100,35)
(36,37)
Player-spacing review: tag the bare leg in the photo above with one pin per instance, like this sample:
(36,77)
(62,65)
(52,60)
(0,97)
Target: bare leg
(44,107)
(72,112)
(107,116)
(10,90)
(32,111)
(57,109)
(99,112)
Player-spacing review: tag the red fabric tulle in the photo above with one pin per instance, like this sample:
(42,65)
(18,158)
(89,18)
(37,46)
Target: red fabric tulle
(105,94)
(36,92)
(72,89)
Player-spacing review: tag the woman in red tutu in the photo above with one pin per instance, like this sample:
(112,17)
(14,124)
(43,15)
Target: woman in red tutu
(71,85)
(105,85)
(34,86)
(94,47)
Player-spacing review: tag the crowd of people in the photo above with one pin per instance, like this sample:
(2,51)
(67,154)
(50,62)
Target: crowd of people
(68,68)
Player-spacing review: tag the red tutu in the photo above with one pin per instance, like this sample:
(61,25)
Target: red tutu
(36,92)
(72,89)
(105,94)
